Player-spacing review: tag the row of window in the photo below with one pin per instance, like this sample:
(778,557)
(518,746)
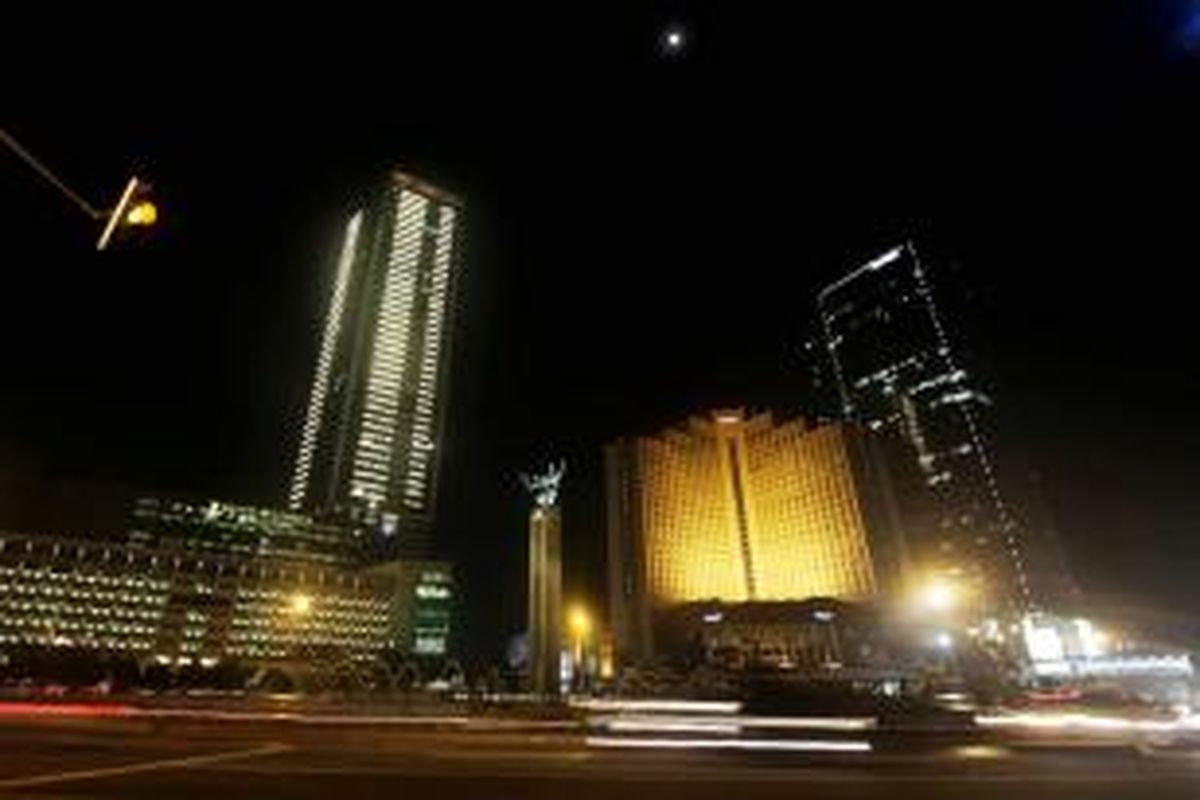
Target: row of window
(364,639)
(58,623)
(286,595)
(71,609)
(278,652)
(139,561)
(89,642)
(33,590)
(83,578)
(261,617)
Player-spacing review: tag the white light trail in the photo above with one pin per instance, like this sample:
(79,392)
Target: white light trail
(781,745)
(684,706)
(646,723)
(1082,722)
(810,723)
(669,725)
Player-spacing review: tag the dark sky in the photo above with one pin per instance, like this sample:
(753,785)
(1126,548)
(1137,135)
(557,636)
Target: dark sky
(645,236)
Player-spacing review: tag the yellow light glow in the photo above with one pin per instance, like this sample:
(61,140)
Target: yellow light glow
(579,621)
(940,595)
(144,213)
(300,604)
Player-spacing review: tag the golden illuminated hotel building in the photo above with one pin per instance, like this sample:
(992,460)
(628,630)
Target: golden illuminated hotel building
(734,508)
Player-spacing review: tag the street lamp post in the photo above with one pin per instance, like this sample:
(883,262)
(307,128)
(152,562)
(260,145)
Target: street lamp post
(133,209)
(580,625)
(939,606)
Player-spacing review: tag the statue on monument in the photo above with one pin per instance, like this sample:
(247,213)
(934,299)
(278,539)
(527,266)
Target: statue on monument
(544,486)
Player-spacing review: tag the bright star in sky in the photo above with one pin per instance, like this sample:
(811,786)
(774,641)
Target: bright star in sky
(674,39)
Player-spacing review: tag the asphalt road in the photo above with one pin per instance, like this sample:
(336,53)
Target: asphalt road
(119,758)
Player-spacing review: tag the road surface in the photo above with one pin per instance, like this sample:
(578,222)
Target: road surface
(183,758)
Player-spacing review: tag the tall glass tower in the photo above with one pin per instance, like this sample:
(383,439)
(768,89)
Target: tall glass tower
(897,374)
(370,445)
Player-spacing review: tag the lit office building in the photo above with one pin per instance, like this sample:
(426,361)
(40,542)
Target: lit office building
(173,604)
(369,447)
(219,528)
(740,509)
(897,374)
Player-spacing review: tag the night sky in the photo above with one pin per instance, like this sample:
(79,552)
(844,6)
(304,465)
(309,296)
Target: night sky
(646,231)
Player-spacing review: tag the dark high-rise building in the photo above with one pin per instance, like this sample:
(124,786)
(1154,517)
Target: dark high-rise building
(370,446)
(896,373)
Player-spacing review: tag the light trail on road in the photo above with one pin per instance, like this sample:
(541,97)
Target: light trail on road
(779,745)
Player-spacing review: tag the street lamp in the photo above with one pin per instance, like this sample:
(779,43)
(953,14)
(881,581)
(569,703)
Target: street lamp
(939,596)
(134,209)
(580,624)
(579,621)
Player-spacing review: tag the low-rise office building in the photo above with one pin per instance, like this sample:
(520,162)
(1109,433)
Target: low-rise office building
(174,605)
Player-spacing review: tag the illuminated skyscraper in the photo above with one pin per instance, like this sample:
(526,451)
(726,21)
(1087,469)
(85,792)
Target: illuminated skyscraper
(735,509)
(897,374)
(370,445)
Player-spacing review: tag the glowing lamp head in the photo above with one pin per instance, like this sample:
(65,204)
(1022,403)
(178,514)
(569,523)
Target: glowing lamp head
(579,621)
(144,213)
(939,596)
(300,604)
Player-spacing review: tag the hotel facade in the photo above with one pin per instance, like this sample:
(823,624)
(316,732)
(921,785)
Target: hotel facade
(741,509)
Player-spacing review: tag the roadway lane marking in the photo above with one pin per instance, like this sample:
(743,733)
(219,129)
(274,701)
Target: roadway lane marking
(144,766)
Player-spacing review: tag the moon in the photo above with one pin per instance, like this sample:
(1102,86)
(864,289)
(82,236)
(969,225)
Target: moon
(674,38)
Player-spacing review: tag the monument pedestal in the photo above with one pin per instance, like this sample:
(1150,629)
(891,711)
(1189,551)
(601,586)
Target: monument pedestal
(545,600)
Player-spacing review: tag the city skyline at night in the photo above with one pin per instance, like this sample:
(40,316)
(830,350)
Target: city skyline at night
(669,399)
(644,245)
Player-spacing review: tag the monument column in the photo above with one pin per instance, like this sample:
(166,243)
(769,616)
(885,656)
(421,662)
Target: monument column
(545,582)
